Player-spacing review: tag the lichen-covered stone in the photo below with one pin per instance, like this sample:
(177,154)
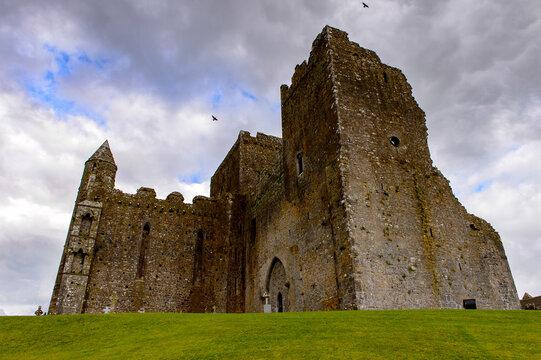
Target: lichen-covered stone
(346,211)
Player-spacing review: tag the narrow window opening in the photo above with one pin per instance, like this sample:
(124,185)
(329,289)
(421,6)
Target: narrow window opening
(280,303)
(142,251)
(252,231)
(237,287)
(198,258)
(300,167)
(385,77)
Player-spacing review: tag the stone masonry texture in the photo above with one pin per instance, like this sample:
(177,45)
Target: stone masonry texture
(345,211)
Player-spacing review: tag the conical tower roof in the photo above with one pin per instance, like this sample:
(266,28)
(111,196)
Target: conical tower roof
(104,154)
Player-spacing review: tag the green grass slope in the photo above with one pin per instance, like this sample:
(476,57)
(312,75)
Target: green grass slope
(400,334)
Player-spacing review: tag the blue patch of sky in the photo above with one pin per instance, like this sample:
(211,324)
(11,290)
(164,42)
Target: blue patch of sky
(84,58)
(98,63)
(45,89)
(483,186)
(248,95)
(216,99)
(62,61)
(191,178)
(514,147)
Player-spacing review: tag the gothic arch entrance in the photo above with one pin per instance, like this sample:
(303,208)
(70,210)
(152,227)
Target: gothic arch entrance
(278,287)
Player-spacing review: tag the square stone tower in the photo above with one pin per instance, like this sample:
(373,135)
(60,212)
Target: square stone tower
(400,237)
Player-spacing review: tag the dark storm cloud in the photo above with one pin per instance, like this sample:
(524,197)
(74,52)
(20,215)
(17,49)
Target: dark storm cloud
(178,49)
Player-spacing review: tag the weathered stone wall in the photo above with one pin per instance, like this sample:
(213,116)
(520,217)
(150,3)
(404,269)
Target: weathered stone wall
(178,273)
(414,244)
(146,254)
(258,156)
(78,257)
(299,216)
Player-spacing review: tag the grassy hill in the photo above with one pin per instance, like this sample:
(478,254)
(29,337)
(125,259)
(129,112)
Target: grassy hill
(400,334)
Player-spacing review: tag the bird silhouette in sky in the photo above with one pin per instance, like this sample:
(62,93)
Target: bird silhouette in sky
(214,118)
(364,5)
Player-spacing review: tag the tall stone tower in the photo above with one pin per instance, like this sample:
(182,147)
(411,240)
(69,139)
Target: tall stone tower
(72,279)
(401,238)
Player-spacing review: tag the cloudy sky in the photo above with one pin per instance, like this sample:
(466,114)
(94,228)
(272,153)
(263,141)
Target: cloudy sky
(147,75)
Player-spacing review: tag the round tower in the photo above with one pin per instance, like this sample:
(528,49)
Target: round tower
(99,174)
(76,262)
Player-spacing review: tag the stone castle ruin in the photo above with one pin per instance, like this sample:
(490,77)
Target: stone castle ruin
(345,211)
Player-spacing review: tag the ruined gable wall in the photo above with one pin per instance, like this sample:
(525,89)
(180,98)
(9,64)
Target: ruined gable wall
(412,238)
(250,163)
(226,179)
(258,156)
(250,160)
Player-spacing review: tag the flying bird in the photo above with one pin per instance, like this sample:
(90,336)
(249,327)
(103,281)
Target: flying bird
(364,5)
(214,118)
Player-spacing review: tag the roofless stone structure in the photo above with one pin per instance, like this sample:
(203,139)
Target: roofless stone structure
(345,211)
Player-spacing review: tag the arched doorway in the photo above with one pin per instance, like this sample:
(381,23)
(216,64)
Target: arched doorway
(278,287)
